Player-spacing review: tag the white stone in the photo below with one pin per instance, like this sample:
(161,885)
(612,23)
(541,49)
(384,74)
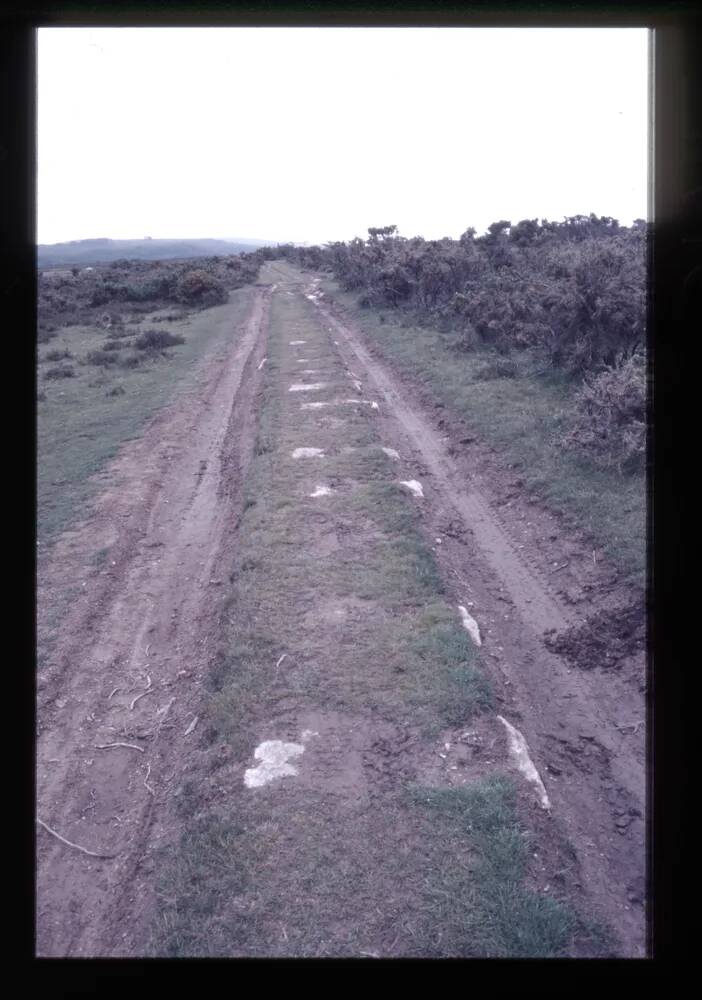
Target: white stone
(312,387)
(391,453)
(273,756)
(520,752)
(413,486)
(321,491)
(470,625)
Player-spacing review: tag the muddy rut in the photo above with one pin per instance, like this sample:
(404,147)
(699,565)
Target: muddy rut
(126,661)
(586,732)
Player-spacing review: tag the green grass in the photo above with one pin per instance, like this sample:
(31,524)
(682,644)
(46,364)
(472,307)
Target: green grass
(81,426)
(525,418)
(354,599)
(487,907)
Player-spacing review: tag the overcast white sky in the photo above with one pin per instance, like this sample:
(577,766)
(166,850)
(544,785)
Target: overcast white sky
(314,134)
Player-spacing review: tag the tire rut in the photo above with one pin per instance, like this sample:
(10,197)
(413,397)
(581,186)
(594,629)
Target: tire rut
(127,666)
(549,701)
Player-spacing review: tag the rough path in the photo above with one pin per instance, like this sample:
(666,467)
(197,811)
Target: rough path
(339,844)
(143,627)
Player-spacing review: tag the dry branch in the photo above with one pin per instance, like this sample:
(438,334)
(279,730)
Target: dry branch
(143,693)
(146,785)
(109,746)
(77,847)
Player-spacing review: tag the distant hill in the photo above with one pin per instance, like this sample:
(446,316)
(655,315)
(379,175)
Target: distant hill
(85,252)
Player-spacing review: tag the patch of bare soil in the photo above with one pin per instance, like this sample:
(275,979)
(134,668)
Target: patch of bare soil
(605,640)
(581,727)
(119,696)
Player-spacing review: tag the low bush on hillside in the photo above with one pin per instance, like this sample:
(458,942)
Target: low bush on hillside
(156,340)
(133,359)
(101,358)
(60,371)
(109,292)
(57,355)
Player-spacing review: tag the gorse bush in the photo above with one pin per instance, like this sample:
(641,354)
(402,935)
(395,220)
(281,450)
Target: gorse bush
(573,291)
(610,422)
(141,286)
(200,286)
(569,295)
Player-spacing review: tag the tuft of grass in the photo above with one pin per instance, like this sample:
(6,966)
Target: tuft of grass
(464,689)
(497,913)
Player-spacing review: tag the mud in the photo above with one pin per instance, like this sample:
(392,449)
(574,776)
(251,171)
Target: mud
(605,640)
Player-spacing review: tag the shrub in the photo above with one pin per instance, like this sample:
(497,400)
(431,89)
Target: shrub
(112,345)
(200,287)
(100,358)
(60,371)
(116,390)
(610,422)
(156,340)
(57,355)
(99,296)
(132,360)
(499,368)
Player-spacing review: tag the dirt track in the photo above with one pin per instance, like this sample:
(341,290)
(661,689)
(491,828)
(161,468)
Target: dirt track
(168,512)
(595,772)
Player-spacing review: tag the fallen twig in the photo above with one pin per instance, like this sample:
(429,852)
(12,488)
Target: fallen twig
(143,693)
(279,662)
(109,746)
(146,785)
(190,728)
(112,692)
(558,570)
(84,850)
